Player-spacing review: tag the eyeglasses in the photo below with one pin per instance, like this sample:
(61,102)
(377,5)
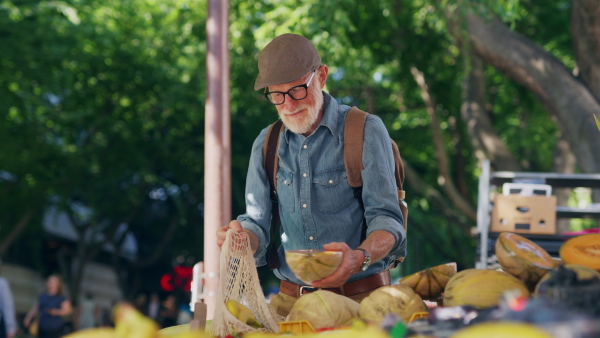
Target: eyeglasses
(297,93)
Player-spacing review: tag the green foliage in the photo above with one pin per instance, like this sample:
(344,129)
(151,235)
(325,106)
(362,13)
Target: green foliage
(103,107)
(102,104)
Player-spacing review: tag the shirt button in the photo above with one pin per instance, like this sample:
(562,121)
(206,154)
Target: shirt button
(285,182)
(311,238)
(305,146)
(304,175)
(330,182)
(304,205)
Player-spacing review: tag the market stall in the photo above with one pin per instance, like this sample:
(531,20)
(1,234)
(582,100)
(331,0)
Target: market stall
(531,295)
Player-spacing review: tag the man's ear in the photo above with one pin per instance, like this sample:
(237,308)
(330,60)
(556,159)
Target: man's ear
(323,74)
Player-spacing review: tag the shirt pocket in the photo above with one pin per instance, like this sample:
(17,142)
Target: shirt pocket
(332,190)
(285,190)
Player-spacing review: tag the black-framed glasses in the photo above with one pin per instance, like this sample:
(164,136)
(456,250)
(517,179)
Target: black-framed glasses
(297,93)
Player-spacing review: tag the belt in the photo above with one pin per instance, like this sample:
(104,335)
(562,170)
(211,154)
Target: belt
(348,289)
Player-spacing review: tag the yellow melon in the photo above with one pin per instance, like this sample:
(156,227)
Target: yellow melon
(324,309)
(502,330)
(481,288)
(311,265)
(398,299)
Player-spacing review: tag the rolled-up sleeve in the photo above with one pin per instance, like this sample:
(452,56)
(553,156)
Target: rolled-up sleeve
(258,203)
(379,193)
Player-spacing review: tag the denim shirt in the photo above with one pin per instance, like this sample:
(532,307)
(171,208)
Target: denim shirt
(316,203)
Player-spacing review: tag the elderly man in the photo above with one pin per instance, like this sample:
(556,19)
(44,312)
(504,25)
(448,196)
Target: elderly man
(316,204)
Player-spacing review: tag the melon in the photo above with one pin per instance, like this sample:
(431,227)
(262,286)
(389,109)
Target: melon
(324,309)
(430,283)
(481,288)
(501,329)
(311,265)
(582,250)
(523,258)
(398,299)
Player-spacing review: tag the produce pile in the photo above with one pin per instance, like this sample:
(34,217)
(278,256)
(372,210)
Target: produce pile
(532,296)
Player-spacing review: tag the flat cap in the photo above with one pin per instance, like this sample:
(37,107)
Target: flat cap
(286,59)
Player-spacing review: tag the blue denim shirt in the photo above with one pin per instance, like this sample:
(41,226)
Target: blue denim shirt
(316,203)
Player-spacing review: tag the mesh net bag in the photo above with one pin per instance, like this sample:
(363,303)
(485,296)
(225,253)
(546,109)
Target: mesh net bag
(239,281)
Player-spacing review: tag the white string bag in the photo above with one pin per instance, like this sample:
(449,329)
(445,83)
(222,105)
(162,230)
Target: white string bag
(239,281)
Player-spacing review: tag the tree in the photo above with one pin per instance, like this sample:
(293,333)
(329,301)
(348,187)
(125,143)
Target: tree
(112,92)
(456,82)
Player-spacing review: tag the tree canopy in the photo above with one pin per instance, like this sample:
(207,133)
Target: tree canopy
(102,109)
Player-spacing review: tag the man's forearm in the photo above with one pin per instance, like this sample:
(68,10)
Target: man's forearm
(379,244)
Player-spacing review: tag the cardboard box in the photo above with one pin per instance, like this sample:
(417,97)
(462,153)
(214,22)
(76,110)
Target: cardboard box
(524,214)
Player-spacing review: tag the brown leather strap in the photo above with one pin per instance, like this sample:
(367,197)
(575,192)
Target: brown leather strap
(398,170)
(353,145)
(349,289)
(270,158)
(270,163)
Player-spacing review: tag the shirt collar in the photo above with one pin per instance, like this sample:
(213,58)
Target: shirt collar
(330,116)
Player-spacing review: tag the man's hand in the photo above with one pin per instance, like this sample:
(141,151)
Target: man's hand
(222,231)
(351,262)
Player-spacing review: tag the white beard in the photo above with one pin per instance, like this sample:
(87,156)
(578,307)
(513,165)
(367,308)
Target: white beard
(303,124)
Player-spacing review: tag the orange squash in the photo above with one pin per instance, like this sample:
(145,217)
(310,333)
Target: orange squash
(582,250)
(523,258)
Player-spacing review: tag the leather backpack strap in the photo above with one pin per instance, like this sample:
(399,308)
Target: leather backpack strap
(270,163)
(354,130)
(398,170)
(270,159)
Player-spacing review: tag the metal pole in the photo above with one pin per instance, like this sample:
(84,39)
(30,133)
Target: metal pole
(217,150)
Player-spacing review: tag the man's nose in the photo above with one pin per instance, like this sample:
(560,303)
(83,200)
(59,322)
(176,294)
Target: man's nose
(289,103)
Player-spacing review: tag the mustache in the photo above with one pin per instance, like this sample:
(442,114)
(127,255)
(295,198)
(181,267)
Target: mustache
(292,112)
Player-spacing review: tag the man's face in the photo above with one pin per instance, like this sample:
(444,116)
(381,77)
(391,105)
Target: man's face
(301,117)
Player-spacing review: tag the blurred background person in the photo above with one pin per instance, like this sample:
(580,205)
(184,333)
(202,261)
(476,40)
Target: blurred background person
(8,326)
(141,303)
(106,319)
(51,307)
(154,306)
(169,312)
(86,313)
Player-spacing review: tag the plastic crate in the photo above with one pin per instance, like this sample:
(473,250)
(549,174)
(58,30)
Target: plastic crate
(296,327)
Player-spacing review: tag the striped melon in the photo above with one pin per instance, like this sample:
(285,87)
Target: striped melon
(430,283)
(481,288)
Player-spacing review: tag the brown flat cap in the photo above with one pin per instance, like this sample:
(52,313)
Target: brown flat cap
(286,59)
